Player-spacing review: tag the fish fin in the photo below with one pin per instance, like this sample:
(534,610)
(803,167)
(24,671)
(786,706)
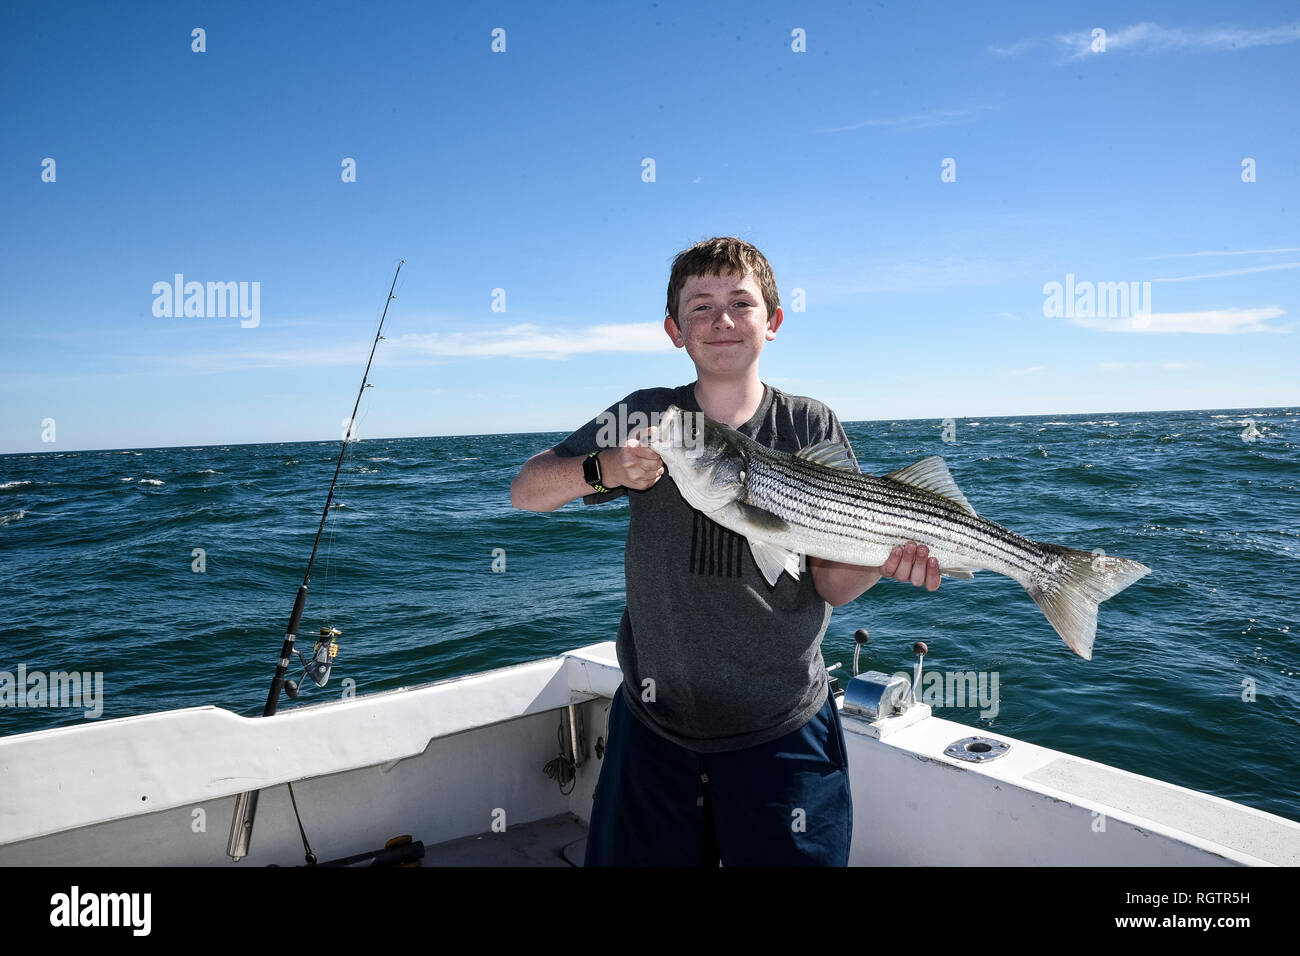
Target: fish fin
(830,453)
(960,574)
(762,519)
(932,474)
(1075,583)
(772,560)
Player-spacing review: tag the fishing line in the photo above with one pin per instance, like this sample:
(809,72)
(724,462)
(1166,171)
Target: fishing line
(562,769)
(327,608)
(311,857)
(347,482)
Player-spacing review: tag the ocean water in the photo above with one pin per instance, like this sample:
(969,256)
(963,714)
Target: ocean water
(1195,677)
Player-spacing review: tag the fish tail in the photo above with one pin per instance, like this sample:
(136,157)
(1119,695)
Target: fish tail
(1070,586)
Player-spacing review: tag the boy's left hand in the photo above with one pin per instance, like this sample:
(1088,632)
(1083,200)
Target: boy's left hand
(912,563)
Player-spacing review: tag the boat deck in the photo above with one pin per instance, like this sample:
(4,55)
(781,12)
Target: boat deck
(556,841)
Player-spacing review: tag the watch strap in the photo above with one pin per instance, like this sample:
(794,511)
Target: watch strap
(591,471)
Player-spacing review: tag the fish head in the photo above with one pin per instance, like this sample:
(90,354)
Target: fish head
(702,457)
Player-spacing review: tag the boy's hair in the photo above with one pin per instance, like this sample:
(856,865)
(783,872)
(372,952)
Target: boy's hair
(719,256)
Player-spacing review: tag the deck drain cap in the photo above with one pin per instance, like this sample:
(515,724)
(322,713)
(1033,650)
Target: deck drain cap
(977,749)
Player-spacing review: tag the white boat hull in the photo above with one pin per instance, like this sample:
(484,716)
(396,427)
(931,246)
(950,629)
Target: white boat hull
(458,765)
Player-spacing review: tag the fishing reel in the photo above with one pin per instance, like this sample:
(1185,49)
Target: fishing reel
(318,666)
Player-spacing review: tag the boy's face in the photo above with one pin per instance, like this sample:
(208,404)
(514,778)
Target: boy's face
(722,323)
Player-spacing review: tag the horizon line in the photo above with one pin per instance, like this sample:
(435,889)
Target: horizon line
(854,421)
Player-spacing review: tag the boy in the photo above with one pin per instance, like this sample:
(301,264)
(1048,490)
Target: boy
(724,743)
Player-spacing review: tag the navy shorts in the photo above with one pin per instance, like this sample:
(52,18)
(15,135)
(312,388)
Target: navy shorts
(782,803)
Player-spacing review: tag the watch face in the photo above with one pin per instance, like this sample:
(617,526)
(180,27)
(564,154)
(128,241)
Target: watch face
(591,470)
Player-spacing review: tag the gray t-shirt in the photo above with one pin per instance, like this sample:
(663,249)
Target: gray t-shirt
(713,657)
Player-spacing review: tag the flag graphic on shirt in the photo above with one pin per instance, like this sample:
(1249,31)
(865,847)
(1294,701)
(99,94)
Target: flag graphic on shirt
(716,551)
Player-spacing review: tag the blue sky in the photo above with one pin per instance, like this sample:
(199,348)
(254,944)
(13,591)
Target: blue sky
(522,171)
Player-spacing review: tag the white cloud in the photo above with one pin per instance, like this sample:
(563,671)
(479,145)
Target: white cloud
(1233,272)
(1153,38)
(1217,322)
(532,341)
(1170,365)
(1015,49)
(924,120)
(1224,252)
(519,341)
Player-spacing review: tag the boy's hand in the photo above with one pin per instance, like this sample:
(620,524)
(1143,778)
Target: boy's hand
(838,583)
(913,563)
(633,466)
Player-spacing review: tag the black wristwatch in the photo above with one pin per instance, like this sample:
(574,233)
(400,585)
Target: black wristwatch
(591,471)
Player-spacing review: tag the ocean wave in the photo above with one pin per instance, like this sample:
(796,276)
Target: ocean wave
(14,516)
(151,481)
(1100,421)
(1136,504)
(14,484)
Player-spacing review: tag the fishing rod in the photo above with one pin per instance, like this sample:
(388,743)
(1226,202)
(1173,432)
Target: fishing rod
(318,667)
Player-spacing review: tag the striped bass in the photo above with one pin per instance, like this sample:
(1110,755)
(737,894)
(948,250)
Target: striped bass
(816,503)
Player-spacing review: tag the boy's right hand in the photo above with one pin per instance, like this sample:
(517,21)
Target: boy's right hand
(634,465)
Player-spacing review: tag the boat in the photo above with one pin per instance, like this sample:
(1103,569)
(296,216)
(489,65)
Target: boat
(499,768)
